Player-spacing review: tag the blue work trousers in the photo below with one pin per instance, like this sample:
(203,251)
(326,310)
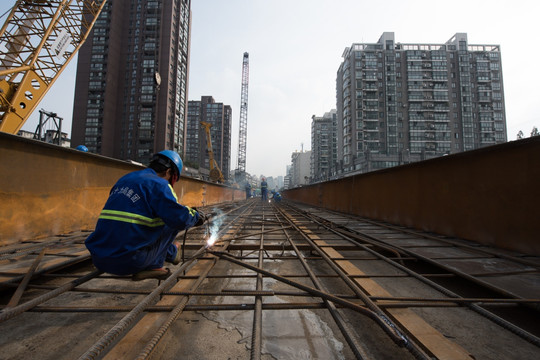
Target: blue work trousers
(147,258)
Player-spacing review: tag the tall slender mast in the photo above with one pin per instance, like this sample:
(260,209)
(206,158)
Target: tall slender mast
(242,138)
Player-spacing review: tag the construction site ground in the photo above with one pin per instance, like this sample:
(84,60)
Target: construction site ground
(219,318)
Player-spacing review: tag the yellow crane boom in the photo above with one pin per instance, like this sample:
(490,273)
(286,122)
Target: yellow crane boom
(215,171)
(37,41)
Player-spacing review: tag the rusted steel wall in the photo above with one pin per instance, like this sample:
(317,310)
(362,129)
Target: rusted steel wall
(490,195)
(47,190)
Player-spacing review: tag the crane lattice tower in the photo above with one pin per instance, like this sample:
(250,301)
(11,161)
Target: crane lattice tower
(242,138)
(37,41)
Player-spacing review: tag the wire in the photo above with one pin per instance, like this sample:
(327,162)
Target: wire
(184,246)
(7,12)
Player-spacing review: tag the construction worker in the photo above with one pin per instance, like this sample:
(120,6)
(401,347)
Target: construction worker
(136,229)
(277,196)
(264,189)
(248,190)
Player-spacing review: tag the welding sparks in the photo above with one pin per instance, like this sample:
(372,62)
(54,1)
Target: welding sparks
(214,228)
(211,240)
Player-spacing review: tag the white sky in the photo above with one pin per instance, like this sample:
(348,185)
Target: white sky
(295,49)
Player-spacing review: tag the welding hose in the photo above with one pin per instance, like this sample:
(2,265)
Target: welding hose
(208,218)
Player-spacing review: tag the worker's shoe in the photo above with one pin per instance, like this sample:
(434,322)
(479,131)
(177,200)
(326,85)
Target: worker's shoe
(160,274)
(178,258)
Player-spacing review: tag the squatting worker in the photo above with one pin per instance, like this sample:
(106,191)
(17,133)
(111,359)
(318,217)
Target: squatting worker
(136,229)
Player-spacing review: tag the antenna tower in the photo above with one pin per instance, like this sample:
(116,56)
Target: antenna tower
(242,138)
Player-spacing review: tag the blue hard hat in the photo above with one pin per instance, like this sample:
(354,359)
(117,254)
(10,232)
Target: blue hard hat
(174,157)
(82,148)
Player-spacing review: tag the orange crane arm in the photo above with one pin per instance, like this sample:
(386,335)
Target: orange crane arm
(37,41)
(215,171)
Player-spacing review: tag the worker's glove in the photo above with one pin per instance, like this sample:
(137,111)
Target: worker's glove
(202,218)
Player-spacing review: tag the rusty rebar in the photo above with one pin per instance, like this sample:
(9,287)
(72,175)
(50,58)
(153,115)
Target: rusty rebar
(17,310)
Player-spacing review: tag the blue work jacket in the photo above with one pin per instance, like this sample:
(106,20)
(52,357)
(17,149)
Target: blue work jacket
(140,205)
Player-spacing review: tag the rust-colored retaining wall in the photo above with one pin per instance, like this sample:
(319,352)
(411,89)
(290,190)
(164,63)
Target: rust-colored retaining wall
(47,190)
(490,195)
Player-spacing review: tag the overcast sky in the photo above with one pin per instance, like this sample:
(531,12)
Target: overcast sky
(295,49)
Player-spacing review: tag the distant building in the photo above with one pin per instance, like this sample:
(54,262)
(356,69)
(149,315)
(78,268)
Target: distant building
(131,88)
(26,134)
(50,137)
(323,146)
(288,177)
(220,116)
(272,183)
(280,182)
(399,103)
(300,168)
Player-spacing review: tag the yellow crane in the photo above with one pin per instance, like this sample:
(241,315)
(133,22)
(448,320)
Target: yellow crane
(215,171)
(37,41)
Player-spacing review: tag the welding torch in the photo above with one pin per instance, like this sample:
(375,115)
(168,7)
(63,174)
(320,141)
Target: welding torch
(208,231)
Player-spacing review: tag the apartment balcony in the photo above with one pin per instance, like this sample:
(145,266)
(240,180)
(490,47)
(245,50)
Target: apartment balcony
(441,108)
(368,121)
(485,108)
(370,109)
(440,87)
(440,79)
(441,98)
(488,139)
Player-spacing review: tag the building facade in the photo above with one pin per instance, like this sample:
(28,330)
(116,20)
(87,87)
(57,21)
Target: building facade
(399,103)
(300,168)
(220,117)
(287,179)
(132,76)
(323,146)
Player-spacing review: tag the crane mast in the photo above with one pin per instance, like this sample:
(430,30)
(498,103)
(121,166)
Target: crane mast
(215,171)
(37,41)
(242,138)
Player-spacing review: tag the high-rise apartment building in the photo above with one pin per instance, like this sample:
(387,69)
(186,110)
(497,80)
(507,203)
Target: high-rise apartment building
(132,75)
(220,117)
(398,103)
(323,146)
